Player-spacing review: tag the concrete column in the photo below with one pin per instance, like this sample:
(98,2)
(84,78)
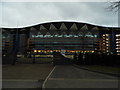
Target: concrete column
(112,43)
(16,39)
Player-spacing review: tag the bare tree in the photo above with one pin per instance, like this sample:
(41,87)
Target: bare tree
(114,6)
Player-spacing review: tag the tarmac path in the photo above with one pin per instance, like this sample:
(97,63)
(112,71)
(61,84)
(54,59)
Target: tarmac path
(71,77)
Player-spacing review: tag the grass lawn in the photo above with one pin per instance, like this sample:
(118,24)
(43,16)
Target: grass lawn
(103,68)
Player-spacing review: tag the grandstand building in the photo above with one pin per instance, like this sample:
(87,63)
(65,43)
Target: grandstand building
(68,37)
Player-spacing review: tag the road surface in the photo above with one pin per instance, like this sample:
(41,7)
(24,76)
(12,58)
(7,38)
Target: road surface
(71,77)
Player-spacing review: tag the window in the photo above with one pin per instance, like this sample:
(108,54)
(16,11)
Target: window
(47,35)
(64,34)
(56,34)
(80,34)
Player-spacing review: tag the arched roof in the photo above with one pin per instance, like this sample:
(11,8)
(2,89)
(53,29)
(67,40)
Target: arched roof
(63,25)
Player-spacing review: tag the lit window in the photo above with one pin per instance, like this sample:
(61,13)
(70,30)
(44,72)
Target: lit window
(118,39)
(60,36)
(40,35)
(117,35)
(107,35)
(107,39)
(70,35)
(107,47)
(33,35)
(103,37)
(66,35)
(107,44)
(117,42)
(56,35)
(35,50)
(95,35)
(117,48)
(80,34)
(118,51)
(75,36)
(39,51)
(92,51)
(103,34)
(47,36)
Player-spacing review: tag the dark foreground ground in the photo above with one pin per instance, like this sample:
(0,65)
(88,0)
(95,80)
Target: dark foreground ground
(25,76)
(34,77)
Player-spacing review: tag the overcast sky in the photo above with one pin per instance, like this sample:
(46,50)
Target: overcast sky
(22,14)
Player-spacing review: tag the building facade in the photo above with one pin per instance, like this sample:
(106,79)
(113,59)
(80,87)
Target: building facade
(69,37)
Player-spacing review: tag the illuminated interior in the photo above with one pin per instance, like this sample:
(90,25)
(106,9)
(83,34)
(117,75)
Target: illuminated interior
(67,51)
(105,43)
(118,44)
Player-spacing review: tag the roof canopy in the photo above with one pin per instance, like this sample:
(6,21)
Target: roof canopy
(64,26)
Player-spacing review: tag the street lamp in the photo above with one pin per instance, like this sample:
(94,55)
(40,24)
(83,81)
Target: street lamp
(35,51)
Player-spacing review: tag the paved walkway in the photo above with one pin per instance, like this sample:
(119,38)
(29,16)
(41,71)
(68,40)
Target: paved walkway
(72,77)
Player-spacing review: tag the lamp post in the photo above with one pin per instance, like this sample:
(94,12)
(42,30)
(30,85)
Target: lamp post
(35,51)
